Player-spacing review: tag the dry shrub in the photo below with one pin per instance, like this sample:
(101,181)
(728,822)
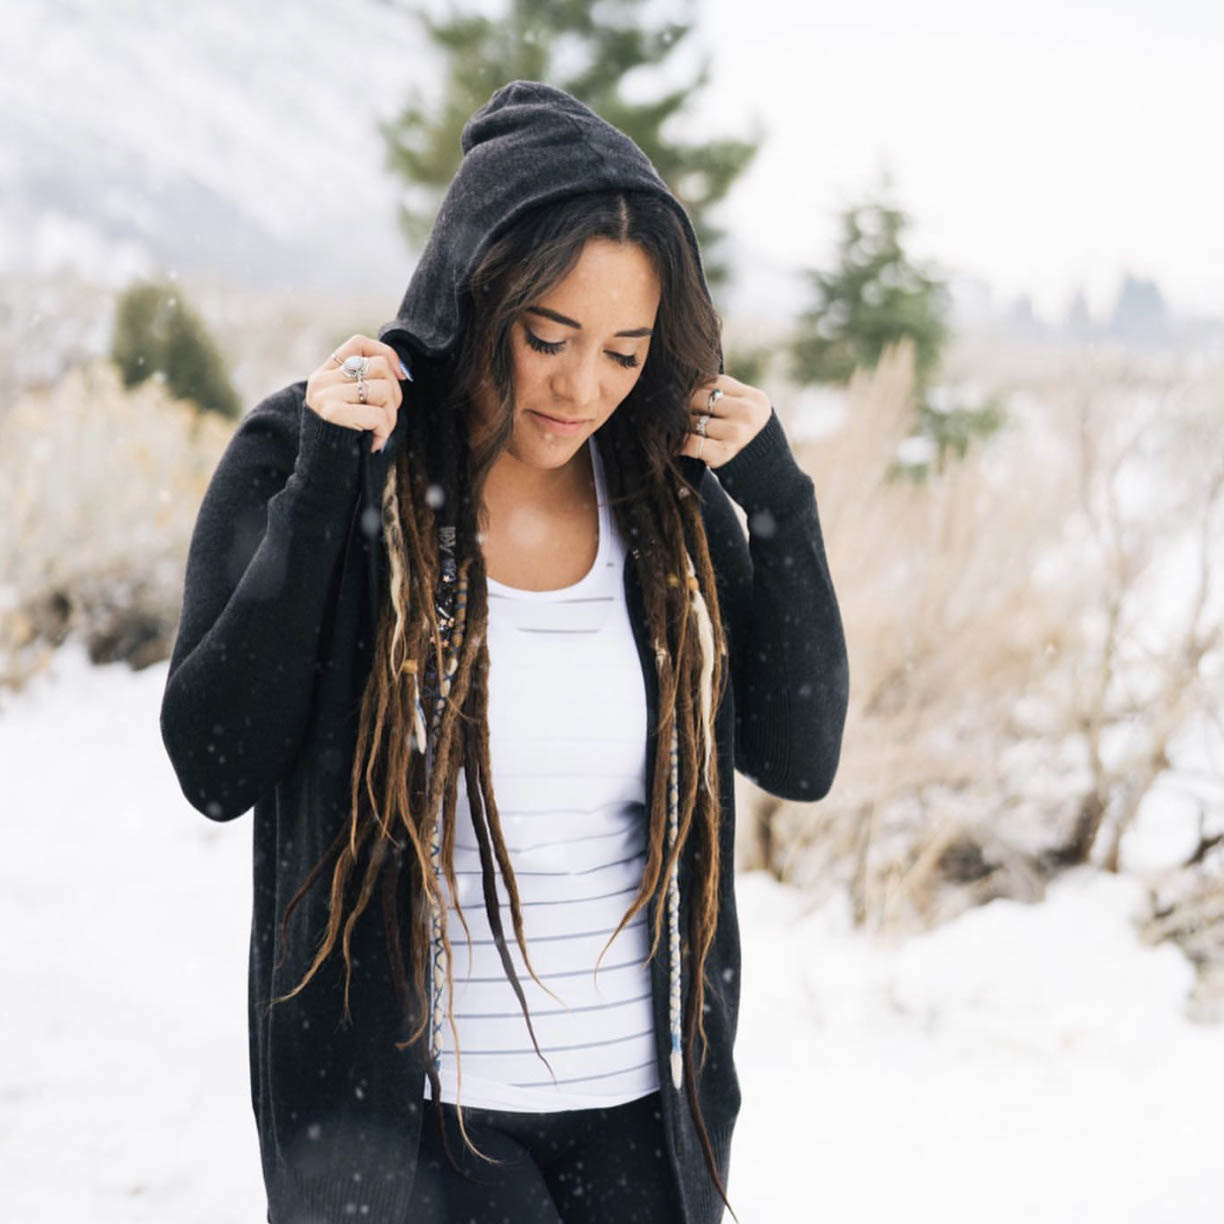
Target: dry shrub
(949,612)
(101,488)
(995,623)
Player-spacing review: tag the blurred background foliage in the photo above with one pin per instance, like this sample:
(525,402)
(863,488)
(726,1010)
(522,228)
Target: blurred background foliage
(1001,509)
(157,334)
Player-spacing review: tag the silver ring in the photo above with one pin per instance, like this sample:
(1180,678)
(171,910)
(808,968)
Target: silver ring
(361,391)
(714,395)
(701,423)
(355,367)
(700,443)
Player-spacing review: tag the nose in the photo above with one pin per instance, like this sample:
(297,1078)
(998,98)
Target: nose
(576,382)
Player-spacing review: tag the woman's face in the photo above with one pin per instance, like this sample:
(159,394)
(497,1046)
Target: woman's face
(578,351)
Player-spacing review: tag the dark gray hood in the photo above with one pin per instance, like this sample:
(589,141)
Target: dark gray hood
(528,144)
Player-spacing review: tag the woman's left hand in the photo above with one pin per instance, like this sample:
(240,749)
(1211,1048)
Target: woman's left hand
(735,417)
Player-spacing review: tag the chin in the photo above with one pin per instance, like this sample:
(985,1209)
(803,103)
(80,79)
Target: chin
(547,457)
(541,449)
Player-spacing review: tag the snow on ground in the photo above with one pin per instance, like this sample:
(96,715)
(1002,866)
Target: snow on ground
(1023,1063)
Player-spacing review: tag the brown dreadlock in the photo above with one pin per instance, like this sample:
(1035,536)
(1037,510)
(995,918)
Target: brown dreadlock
(394,805)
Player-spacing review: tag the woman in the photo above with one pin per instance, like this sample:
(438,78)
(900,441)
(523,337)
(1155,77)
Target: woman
(414,654)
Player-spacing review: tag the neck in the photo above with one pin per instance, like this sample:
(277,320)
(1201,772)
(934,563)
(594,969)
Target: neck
(511,480)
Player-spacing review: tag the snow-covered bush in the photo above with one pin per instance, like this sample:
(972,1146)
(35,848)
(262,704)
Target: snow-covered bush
(100,488)
(1032,632)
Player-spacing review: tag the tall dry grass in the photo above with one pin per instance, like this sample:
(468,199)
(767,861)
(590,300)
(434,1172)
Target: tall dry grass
(1034,633)
(101,487)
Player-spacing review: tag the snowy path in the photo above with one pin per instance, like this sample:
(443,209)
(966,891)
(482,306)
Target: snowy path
(1023,1064)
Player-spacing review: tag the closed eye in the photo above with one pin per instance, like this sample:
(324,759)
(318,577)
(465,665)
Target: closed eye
(543,346)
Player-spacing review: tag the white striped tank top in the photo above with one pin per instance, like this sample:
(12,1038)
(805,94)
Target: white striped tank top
(567,747)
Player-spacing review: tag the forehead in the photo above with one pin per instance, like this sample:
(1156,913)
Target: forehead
(608,279)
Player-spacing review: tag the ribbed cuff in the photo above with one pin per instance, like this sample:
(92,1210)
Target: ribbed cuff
(764,475)
(328,467)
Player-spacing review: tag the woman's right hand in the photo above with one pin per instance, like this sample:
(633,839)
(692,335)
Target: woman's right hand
(336,398)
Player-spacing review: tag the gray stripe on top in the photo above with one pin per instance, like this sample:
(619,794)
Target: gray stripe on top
(555,1011)
(582,1079)
(586,1045)
(501,977)
(539,939)
(602,867)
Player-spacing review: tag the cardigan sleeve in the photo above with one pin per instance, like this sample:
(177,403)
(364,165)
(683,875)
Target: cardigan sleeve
(269,533)
(789,665)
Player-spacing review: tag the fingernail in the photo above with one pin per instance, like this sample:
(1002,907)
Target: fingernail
(405,371)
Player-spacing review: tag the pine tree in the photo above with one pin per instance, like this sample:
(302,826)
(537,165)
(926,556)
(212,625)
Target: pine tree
(586,50)
(155,332)
(875,295)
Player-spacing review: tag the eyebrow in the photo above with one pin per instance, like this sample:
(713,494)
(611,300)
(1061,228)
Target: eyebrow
(557,317)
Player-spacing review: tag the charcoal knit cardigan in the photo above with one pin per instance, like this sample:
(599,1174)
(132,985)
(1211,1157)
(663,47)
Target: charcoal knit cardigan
(284,574)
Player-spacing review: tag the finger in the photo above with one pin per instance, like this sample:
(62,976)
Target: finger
(720,428)
(344,393)
(382,353)
(379,366)
(394,362)
(378,413)
(366,418)
(386,365)
(352,347)
(361,345)
(386,393)
(725,404)
(726,381)
(709,450)
(379,373)
(383,386)
(366,346)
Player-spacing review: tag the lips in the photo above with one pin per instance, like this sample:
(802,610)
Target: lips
(561,420)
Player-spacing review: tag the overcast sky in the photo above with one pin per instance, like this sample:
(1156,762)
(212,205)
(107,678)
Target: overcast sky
(1038,146)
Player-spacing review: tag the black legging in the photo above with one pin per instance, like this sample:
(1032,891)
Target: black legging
(574,1166)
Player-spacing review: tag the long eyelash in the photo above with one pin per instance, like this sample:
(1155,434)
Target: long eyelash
(542,346)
